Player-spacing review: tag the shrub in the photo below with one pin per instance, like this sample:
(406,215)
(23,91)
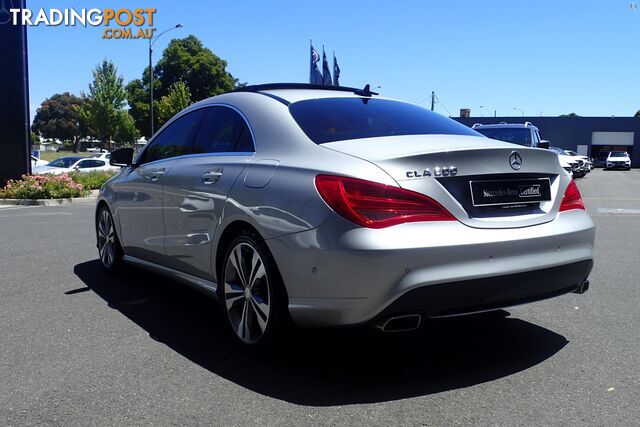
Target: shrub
(43,187)
(92,180)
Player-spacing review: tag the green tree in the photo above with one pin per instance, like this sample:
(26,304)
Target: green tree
(58,117)
(189,61)
(570,115)
(637,114)
(105,112)
(177,99)
(138,100)
(184,60)
(126,133)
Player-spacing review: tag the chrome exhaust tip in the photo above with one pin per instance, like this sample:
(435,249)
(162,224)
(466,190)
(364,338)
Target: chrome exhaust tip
(405,323)
(584,287)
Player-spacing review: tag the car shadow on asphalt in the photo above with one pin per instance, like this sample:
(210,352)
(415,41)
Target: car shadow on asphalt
(329,366)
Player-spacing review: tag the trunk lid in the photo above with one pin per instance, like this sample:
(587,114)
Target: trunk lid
(445,166)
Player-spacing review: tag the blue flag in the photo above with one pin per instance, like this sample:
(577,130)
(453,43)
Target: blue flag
(315,78)
(326,72)
(336,71)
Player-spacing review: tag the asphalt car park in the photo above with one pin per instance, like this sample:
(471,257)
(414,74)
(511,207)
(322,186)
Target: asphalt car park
(81,347)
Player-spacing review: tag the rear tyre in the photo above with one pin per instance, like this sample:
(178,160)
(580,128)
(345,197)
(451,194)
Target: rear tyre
(109,249)
(252,292)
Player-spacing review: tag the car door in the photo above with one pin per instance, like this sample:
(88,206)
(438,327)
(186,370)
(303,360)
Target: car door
(139,195)
(196,189)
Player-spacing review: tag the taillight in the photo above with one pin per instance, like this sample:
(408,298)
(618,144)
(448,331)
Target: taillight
(373,205)
(571,198)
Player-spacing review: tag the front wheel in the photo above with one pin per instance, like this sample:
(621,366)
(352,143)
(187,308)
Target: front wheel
(252,292)
(109,248)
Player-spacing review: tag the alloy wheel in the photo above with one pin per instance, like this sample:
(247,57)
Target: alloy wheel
(106,239)
(246,293)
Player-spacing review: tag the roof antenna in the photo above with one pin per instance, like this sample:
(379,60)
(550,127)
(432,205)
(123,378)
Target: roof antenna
(366,91)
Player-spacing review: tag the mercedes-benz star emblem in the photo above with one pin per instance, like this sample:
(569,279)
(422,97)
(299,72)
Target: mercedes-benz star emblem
(5,14)
(515,160)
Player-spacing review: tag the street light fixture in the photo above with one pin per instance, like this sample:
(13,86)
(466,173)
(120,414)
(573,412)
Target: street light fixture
(484,107)
(518,109)
(151,43)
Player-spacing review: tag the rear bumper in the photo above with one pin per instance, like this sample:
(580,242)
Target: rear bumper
(338,274)
(490,293)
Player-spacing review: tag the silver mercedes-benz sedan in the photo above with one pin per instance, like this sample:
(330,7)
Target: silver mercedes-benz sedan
(332,206)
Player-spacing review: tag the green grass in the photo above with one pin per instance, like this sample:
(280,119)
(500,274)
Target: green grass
(50,156)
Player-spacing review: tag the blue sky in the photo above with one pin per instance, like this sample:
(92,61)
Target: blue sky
(543,57)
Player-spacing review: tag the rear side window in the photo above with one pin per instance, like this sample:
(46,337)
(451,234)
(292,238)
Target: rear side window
(335,119)
(173,140)
(222,130)
(84,164)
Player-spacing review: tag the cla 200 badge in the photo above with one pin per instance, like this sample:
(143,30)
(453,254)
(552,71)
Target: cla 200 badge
(437,171)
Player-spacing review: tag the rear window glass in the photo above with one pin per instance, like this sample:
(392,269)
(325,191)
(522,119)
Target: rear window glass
(336,119)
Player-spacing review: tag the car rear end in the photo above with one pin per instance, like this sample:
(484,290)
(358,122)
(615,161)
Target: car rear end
(470,224)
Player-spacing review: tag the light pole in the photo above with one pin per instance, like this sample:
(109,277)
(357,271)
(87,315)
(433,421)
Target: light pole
(518,109)
(151,42)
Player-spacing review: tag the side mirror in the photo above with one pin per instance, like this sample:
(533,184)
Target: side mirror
(544,144)
(121,157)
(76,167)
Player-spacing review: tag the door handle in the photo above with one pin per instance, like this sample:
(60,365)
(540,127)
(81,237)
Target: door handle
(212,176)
(156,175)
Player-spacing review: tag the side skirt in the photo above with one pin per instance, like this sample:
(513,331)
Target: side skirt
(195,282)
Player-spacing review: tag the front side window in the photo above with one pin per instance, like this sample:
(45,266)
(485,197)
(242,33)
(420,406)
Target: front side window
(536,138)
(64,162)
(335,119)
(223,130)
(173,140)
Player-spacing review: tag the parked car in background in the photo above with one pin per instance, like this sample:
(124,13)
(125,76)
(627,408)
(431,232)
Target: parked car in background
(330,206)
(578,167)
(37,162)
(104,156)
(97,150)
(525,134)
(588,163)
(618,160)
(73,163)
(528,135)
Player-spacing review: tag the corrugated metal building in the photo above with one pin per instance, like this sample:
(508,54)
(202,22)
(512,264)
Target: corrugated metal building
(593,136)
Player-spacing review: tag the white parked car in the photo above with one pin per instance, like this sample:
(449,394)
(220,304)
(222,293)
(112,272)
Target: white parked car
(577,165)
(104,156)
(37,162)
(588,164)
(618,160)
(96,150)
(73,163)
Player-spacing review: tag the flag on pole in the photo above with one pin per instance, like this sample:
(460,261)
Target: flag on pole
(326,72)
(336,70)
(315,78)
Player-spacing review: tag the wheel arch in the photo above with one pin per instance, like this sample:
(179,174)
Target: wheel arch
(228,234)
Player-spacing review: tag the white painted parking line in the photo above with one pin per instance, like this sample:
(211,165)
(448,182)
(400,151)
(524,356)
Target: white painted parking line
(618,211)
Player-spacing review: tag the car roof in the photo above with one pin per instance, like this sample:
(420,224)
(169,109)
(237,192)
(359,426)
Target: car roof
(504,125)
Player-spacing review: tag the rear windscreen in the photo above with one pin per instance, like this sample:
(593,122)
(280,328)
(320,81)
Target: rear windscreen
(336,119)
